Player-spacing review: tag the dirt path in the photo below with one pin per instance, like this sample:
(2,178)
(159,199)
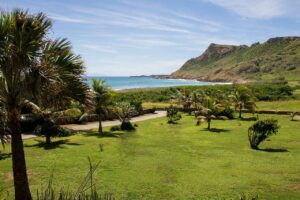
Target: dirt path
(93,125)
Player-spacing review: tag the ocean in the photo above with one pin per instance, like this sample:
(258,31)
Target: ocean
(120,83)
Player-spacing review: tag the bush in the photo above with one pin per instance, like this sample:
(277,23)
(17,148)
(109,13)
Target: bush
(73,112)
(137,104)
(153,109)
(261,130)
(228,112)
(127,126)
(115,128)
(172,114)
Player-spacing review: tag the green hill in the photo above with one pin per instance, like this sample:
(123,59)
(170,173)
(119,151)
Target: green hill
(272,60)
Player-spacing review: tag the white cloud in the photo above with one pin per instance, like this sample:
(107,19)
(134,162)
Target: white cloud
(69,19)
(262,9)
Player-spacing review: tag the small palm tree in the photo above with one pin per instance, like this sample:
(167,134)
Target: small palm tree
(184,99)
(243,98)
(209,107)
(102,99)
(125,111)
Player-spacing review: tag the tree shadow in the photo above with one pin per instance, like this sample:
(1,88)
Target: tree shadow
(216,130)
(52,145)
(271,150)
(103,135)
(4,156)
(248,119)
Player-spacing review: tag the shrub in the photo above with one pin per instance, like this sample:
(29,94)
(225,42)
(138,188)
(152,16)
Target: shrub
(127,126)
(153,109)
(137,105)
(261,130)
(228,112)
(172,114)
(73,112)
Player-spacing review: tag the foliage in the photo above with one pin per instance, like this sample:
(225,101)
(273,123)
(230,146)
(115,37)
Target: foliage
(4,133)
(228,112)
(184,99)
(261,91)
(271,60)
(153,109)
(125,111)
(261,130)
(102,95)
(209,106)
(172,114)
(73,112)
(87,184)
(137,105)
(243,98)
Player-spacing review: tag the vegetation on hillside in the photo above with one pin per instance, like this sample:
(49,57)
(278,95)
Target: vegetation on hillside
(275,59)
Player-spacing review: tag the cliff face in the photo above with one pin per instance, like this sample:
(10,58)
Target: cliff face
(278,57)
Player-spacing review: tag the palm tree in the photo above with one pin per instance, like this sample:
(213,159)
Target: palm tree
(33,68)
(243,98)
(209,107)
(183,98)
(102,99)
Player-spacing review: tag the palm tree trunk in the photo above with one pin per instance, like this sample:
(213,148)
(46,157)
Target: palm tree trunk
(240,112)
(100,130)
(208,123)
(48,138)
(22,191)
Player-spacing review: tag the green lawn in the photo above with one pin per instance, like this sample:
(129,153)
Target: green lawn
(291,105)
(163,161)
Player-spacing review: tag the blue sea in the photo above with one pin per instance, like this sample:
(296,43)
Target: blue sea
(120,83)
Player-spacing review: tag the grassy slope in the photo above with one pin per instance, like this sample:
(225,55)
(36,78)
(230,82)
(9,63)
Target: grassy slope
(274,59)
(162,161)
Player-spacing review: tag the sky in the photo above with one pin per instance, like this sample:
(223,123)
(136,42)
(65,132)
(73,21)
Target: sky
(144,37)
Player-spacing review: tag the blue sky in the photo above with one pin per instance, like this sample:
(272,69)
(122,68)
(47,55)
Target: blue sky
(135,37)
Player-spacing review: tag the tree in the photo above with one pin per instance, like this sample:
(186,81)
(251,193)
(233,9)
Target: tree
(37,69)
(243,98)
(102,99)
(184,98)
(125,111)
(172,114)
(261,130)
(209,107)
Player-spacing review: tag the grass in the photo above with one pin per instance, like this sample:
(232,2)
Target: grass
(291,105)
(171,161)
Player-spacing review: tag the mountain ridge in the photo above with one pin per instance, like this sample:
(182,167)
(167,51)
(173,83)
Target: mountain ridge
(277,58)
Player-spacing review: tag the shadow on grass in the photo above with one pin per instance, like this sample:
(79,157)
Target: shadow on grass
(104,134)
(4,156)
(271,150)
(248,119)
(217,130)
(53,145)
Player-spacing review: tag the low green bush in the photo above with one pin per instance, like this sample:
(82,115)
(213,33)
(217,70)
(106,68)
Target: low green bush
(73,112)
(261,130)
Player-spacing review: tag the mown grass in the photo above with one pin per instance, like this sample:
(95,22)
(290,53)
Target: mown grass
(178,161)
(291,105)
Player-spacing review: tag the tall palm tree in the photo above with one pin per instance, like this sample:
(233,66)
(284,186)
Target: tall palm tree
(33,68)
(102,99)
(243,98)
